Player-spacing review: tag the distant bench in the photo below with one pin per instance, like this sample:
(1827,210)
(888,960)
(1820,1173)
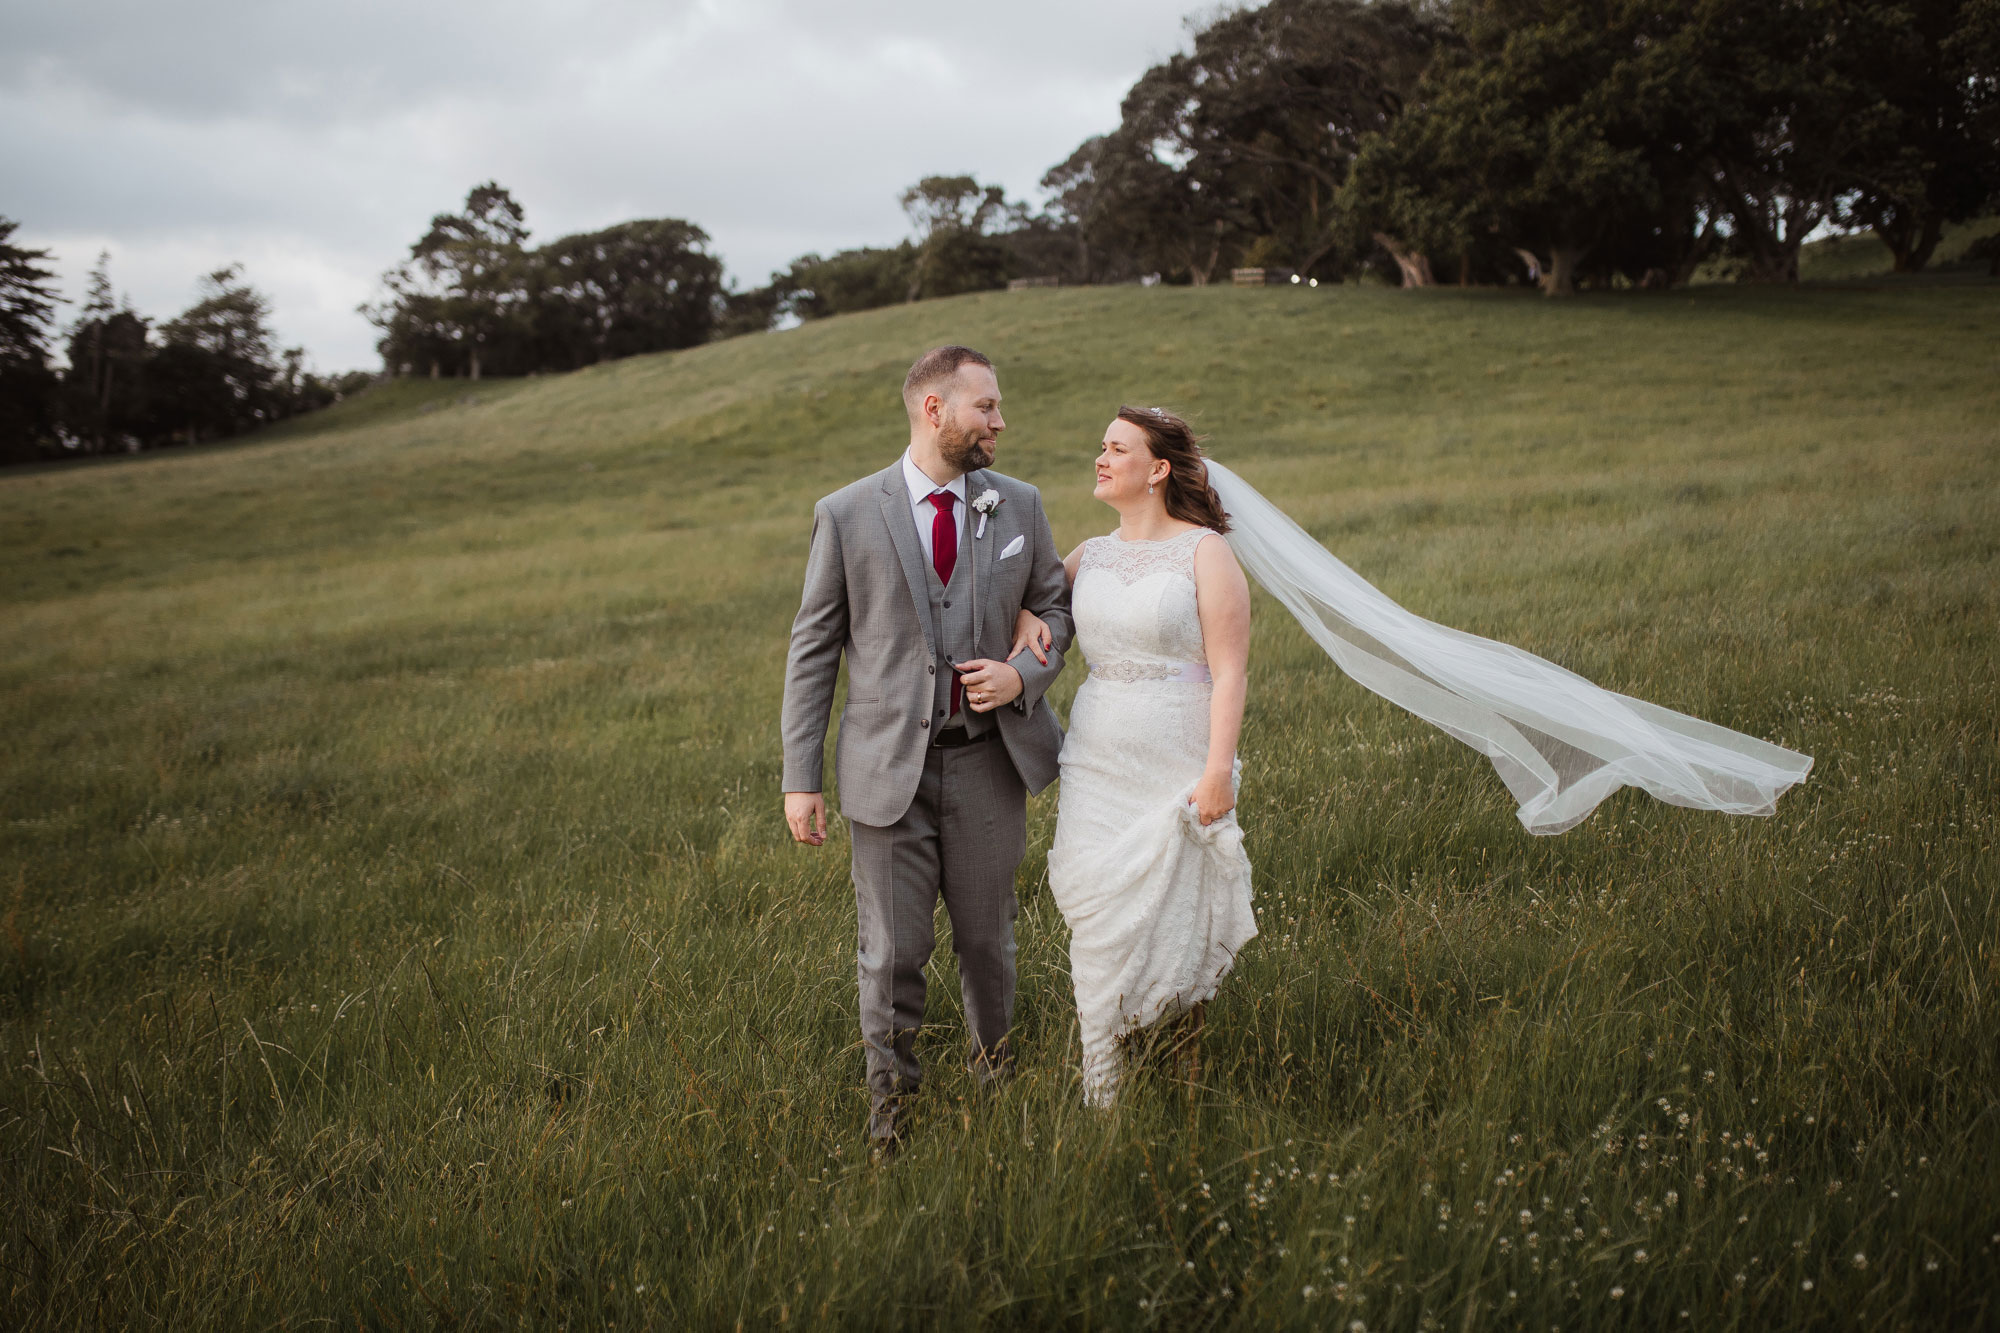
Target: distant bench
(1022,284)
(1262,277)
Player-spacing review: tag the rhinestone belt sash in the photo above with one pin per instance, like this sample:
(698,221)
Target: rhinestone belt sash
(1191,673)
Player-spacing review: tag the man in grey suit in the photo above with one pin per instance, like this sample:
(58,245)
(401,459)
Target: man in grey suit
(916,572)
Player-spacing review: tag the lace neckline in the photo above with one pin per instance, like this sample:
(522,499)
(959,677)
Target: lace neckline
(1130,561)
(1152,541)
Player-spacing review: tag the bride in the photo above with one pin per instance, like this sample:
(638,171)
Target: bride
(1148,865)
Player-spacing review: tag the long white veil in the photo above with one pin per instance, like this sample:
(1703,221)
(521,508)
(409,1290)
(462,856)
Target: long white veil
(1560,743)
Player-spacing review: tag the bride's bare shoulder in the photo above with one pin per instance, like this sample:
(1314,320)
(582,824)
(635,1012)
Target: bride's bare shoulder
(1075,557)
(1215,566)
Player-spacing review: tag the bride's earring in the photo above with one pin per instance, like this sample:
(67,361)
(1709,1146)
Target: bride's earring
(1149,488)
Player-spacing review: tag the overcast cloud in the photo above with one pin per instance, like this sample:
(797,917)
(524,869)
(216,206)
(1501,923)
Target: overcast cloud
(312,143)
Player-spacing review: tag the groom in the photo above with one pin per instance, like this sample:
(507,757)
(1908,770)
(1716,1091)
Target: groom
(916,573)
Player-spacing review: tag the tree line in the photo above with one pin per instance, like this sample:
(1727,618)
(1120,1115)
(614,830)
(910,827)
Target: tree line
(1564,143)
(1599,141)
(211,372)
(474,299)
(1567,143)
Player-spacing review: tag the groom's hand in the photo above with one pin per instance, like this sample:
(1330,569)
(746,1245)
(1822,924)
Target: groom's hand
(988,684)
(805,811)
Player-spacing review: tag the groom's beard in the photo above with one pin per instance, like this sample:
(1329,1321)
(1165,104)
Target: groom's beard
(964,449)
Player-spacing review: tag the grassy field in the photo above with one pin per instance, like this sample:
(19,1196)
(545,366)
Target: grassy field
(396,926)
(1862,255)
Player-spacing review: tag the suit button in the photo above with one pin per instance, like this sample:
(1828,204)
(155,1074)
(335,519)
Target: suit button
(924,722)
(947,606)
(932,668)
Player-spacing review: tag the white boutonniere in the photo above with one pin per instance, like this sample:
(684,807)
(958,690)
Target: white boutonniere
(988,501)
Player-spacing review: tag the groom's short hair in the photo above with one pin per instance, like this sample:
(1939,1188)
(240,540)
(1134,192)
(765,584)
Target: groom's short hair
(935,367)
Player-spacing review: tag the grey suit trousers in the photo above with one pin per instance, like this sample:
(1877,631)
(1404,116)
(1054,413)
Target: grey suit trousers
(963,837)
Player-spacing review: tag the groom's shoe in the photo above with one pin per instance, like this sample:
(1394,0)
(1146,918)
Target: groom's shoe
(890,1094)
(888,1125)
(992,1066)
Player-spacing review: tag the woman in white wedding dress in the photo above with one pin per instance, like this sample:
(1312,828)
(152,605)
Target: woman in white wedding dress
(1148,863)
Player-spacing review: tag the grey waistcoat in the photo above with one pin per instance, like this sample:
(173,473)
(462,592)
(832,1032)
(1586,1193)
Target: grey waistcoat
(954,624)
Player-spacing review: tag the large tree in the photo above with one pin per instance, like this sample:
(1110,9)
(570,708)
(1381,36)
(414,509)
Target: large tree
(1077,203)
(1562,130)
(1275,102)
(1129,202)
(814,287)
(954,218)
(473,299)
(216,372)
(460,303)
(645,286)
(1934,156)
(1239,147)
(1787,117)
(106,388)
(1621,137)
(1878,111)
(27,385)
(104,399)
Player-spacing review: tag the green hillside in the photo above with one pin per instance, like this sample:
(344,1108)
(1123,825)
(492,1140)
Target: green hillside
(398,926)
(1862,255)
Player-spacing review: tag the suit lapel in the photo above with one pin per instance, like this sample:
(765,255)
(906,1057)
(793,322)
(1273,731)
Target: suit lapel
(895,502)
(982,548)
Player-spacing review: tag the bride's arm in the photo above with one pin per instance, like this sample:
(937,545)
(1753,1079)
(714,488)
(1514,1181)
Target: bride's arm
(1222,596)
(1069,563)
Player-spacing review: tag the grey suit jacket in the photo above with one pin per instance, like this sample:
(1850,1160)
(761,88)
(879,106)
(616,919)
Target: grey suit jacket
(866,596)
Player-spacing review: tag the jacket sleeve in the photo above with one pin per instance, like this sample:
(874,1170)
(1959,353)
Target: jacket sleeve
(1047,596)
(812,667)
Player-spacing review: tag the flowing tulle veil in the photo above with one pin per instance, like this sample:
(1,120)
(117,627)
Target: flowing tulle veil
(1560,743)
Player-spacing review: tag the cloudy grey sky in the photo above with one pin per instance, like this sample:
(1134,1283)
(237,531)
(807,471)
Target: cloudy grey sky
(313,142)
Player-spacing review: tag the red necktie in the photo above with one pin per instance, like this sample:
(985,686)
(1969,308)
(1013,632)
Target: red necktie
(944,557)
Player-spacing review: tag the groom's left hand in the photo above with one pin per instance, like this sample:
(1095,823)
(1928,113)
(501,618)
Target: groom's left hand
(988,684)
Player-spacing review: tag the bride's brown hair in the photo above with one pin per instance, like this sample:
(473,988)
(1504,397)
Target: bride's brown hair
(1189,496)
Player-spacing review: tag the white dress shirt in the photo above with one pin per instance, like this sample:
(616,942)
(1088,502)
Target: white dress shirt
(921,508)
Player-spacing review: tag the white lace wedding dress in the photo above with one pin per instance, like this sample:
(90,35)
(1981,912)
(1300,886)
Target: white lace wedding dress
(1157,905)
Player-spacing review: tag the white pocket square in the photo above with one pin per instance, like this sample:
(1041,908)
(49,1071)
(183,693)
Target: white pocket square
(1013,548)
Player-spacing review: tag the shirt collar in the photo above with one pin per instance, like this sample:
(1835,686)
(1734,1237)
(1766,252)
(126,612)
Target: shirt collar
(921,486)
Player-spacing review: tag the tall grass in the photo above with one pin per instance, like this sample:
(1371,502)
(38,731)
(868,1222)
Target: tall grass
(397,927)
